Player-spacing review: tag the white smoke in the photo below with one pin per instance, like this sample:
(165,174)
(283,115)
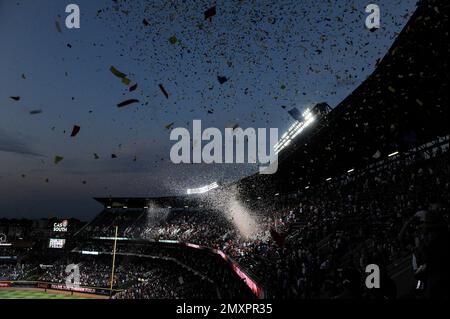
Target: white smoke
(228,203)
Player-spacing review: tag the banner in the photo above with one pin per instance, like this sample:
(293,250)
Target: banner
(77,289)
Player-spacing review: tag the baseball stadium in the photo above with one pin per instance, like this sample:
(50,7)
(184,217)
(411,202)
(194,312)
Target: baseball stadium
(364,181)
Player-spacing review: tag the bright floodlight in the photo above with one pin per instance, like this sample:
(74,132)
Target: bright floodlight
(88,252)
(393,154)
(293,131)
(203,189)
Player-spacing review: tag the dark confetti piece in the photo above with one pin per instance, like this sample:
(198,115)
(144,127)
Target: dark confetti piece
(173,39)
(211,12)
(222,79)
(163,90)
(58,27)
(57,159)
(133,87)
(120,75)
(75,130)
(127,102)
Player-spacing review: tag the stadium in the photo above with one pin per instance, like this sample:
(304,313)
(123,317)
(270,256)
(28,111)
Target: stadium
(366,182)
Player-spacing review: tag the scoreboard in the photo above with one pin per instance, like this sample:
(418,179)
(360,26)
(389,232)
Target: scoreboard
(56,243)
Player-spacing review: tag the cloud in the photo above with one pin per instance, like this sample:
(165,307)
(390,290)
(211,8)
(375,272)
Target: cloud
(15,145)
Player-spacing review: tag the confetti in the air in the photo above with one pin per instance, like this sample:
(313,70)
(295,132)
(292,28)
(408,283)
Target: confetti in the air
(120,75)
(75,130)
(127,102)
(57,159)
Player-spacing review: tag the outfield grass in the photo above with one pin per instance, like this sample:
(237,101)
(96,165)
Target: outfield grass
(30,294)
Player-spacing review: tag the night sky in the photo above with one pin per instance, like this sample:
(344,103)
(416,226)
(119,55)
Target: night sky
(275,55)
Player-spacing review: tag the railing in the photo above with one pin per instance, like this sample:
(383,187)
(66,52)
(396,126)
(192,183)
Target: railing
(58,286)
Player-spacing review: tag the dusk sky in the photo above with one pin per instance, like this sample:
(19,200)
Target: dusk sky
(276,55)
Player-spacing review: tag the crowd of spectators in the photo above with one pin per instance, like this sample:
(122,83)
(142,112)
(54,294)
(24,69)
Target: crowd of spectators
(169,281)
(318,245)
(315,243)
(201,263)
(145,272)
(95,271)
(8,251)
(14,271)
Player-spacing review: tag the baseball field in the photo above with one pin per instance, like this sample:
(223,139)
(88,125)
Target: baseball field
(30,293)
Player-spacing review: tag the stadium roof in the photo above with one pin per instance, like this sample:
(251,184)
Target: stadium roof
(140,202)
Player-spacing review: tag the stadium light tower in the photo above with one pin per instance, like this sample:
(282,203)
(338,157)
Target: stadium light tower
(294,130)
(316,113)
